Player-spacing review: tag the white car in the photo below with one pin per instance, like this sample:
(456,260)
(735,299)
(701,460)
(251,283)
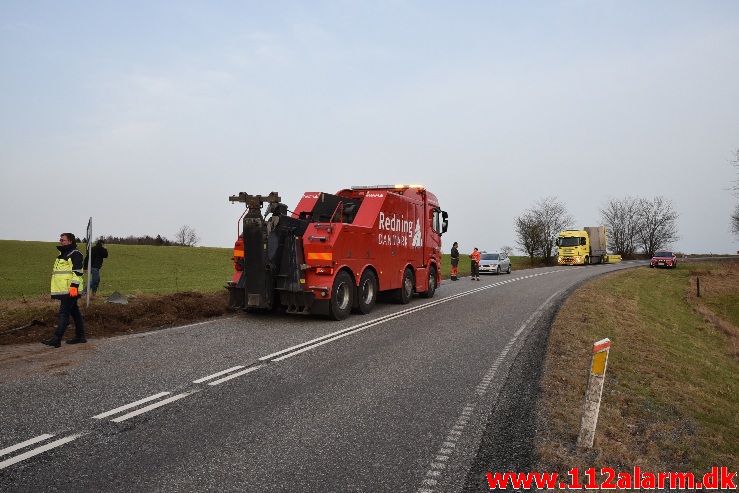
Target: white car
(494,263)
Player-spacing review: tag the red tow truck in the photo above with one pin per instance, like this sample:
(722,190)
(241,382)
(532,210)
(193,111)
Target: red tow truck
(336,252)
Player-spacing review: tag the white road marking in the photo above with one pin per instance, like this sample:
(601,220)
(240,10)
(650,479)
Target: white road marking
(21,445)
(320,341)
(39,450)
(248,370)
(129,406)
(456,431)
(205,379)
(150,407)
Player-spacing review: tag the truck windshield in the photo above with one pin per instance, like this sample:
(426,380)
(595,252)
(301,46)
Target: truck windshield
(332,208)
(570,241)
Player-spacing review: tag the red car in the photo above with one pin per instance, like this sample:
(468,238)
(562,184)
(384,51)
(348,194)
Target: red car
(664,258)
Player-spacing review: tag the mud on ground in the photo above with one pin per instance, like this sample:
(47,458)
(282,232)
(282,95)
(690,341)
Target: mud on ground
(25,321)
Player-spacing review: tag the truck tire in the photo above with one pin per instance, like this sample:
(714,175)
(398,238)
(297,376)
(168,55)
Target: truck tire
(432,284)
(367,292)
(342,296)
(405,293)
(587,260)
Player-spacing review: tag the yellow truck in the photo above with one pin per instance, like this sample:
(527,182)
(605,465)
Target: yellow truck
(584,246)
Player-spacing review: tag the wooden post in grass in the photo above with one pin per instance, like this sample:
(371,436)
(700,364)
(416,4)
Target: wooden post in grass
(591,405)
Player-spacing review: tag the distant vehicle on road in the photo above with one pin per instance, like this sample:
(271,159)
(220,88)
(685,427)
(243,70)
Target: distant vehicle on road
(584,246)
(494,263)
(664,258)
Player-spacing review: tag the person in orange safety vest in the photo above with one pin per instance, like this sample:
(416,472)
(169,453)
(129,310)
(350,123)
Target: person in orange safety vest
(475,267)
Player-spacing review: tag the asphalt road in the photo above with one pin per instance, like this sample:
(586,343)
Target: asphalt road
(424,397)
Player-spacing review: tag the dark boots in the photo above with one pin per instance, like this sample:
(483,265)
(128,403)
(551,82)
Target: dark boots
(53,342)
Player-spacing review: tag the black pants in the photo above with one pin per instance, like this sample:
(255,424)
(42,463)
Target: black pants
(69,307)
(475,269)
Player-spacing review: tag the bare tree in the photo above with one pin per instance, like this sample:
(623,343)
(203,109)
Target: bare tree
(506,250)
(735,162)
(735,191)
(554,219)
(621,218)
(186,236)
(657,224)
(530,234)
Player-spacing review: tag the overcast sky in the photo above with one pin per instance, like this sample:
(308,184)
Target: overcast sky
(148,115)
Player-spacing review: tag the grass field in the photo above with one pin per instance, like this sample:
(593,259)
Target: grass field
(133,269)
(671,395)
(128,269)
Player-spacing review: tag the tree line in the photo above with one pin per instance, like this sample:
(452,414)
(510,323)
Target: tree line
(185,236)
(633,225)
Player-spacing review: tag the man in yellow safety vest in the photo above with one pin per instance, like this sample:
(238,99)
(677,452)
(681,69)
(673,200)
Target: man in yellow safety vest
(66,286)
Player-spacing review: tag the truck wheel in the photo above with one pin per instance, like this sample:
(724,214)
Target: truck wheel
(342,296)
(587,260)
(406,291)
(432,284)
(367,292)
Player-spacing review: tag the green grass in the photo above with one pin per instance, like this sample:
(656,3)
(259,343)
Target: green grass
(671,396)
(687,366)
(132,269)
(128,269)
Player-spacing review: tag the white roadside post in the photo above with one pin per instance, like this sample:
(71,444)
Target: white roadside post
(89,261)
(591,405)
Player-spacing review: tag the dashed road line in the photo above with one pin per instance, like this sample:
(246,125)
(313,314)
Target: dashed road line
(150,407)
(25,444)
(320,341)
(129,406)
(215,375)
(38,450)
(243,372)
(435,471)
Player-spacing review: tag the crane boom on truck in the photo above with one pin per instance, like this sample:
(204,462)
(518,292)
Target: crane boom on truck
(336,252)
(584,246)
